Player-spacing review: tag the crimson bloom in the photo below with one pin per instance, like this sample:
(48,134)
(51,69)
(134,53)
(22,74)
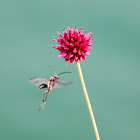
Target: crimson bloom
(74,45)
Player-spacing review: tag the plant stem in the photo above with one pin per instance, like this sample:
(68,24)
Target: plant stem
(88,102)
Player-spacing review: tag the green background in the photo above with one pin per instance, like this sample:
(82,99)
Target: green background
(111,72)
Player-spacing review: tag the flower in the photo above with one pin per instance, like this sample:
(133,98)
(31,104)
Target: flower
(74,45)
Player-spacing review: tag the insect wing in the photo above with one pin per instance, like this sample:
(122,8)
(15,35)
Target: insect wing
(38,81)
(60,84)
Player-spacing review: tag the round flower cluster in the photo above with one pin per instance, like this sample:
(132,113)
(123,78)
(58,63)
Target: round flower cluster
(74,45)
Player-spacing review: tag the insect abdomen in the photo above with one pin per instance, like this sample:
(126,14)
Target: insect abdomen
(43,86)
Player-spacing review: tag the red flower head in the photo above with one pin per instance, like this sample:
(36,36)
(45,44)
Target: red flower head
(74,45)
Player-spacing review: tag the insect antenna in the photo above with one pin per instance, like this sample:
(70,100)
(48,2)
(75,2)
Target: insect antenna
(63,73)
(52,69)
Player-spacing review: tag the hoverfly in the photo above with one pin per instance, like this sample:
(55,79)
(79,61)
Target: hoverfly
(51,83)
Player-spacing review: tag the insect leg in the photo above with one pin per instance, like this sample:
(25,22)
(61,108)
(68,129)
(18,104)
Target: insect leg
(45,100)
(40,109)
(43,104)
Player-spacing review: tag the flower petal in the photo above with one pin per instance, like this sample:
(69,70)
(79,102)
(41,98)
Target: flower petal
(80,58)
(71,45)
(74,50)
(87,53)
(63,54)
(79,52)
(76,57)
(84,57)
(67,49)
(70,55)
(71,59)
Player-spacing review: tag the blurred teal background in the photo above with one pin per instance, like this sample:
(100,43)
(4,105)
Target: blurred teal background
(111,72)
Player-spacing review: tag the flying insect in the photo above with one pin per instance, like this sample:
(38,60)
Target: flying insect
(51,83)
